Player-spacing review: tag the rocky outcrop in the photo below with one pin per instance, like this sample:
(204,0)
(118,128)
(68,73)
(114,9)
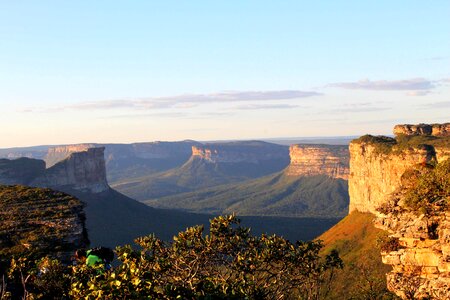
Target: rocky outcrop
(310,160)
(423,129)
(80,171)
(418,251)
(237,152)
(60,153)
(374,175)
(83,171)
(40,220)
(377,164)
(419,245)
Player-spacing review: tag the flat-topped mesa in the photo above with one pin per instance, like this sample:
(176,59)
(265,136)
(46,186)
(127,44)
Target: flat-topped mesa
(59,153)
(310,160)
(423,129)
(237,152)
(80,171)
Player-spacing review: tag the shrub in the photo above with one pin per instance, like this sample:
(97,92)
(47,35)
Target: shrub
(228,263)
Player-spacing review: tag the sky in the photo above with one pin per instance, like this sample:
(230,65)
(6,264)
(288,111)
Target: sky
(134,71)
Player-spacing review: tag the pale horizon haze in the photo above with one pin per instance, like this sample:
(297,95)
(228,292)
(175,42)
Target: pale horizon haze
(135,71)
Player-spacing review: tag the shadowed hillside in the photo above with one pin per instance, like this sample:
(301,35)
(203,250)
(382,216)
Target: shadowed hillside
(211,165)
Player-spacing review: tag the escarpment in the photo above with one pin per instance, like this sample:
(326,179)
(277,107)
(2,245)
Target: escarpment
(236,152)
(377,164)
(310,160)
(84,171)
(383,180)
(60,153)
(423,129)
(81,171)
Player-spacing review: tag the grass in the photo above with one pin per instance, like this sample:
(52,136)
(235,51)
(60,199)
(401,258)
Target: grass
(355,238)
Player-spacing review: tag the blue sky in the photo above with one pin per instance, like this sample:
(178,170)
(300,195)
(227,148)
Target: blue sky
(124,71)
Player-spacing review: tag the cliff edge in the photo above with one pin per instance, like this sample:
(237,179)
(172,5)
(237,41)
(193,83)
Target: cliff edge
(404,181)
(310,160)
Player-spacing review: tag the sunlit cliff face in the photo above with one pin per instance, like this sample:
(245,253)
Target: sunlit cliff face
(309,160)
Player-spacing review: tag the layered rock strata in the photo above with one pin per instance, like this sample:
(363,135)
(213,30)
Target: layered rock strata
(81,171)
(374,175)
(60,153)
(419,250)
(423,129)
(84,171)
(421,261)
(248,152)
(310,160)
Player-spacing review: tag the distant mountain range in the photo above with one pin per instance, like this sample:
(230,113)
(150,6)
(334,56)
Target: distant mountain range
(211,165)
(112,218)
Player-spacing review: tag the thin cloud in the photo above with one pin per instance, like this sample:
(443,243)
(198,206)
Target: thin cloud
(442,104)
(264,106)
(358,107)
(418,93)
(386,85)
(184,101)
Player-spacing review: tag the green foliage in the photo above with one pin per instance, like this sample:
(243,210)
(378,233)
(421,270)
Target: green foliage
(273,195)
(383,144)
(386,145)
(426,188)
(228,263)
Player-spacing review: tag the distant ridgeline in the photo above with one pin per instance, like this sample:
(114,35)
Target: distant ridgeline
(405,182)
(83,171)
(122,161)
(211,165)
(112,218)
(313,184)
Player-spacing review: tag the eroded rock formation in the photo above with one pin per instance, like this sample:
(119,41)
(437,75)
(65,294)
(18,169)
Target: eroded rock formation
(60,153)
(423,129)
(236,152)
(310,160)
(421,261)
(420,251)
(81,171)
(377,164)
(84,171)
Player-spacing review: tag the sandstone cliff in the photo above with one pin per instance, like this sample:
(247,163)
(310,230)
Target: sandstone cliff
(418,249)
(60,153)
(377,164)
(237,152)
(309,160)
(81,171)
(84,171)
(423,129)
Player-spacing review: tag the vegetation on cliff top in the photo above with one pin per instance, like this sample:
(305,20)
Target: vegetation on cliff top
(36,220)
(426,188)
(386,145)
(228,263)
